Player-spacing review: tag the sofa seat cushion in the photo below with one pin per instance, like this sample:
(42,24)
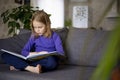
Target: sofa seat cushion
(65,72)
(86,46)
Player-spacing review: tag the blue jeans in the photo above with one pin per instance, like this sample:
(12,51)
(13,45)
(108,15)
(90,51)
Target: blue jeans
(48,63)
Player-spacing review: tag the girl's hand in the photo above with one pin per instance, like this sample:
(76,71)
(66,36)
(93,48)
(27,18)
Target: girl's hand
(33,53)
(43,52)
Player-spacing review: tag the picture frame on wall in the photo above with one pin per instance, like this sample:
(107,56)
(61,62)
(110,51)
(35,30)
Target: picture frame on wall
(80,16)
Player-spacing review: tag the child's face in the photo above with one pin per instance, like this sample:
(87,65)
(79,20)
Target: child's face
(39,27)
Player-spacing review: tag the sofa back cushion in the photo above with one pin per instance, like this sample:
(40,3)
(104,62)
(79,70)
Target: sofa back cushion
(15,43)
(86,46)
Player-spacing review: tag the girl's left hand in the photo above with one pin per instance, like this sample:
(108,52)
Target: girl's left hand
(43,52)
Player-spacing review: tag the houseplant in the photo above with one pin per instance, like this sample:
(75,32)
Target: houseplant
(112,53)
(68,22)
(17,18)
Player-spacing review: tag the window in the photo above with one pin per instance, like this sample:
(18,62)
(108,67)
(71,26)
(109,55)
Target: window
(55,8)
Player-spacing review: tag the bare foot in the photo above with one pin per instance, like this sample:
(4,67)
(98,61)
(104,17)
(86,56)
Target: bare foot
(13,68)
(36,69)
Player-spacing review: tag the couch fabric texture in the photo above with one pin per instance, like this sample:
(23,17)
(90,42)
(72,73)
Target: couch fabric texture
(84,49)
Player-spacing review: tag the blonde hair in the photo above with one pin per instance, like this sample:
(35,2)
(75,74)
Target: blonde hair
(42,16)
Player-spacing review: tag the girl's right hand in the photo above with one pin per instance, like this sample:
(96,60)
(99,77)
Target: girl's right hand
(32,53)
(43,52)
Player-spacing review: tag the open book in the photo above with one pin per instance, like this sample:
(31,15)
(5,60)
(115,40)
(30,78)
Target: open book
(32,57)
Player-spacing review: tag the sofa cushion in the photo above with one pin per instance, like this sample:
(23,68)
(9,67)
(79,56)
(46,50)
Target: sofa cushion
(15,43)
(86,46)
(23,31)
(70,73)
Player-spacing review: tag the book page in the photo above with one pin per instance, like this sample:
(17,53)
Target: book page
(12,53)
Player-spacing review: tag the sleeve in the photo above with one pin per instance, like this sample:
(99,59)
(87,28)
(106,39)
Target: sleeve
(58,44)
(26,49)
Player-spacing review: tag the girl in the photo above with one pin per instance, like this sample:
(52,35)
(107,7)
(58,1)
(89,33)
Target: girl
(43,39)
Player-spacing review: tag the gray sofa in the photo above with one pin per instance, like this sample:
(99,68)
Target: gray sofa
(84,49)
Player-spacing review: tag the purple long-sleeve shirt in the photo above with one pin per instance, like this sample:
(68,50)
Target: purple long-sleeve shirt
(43,43)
